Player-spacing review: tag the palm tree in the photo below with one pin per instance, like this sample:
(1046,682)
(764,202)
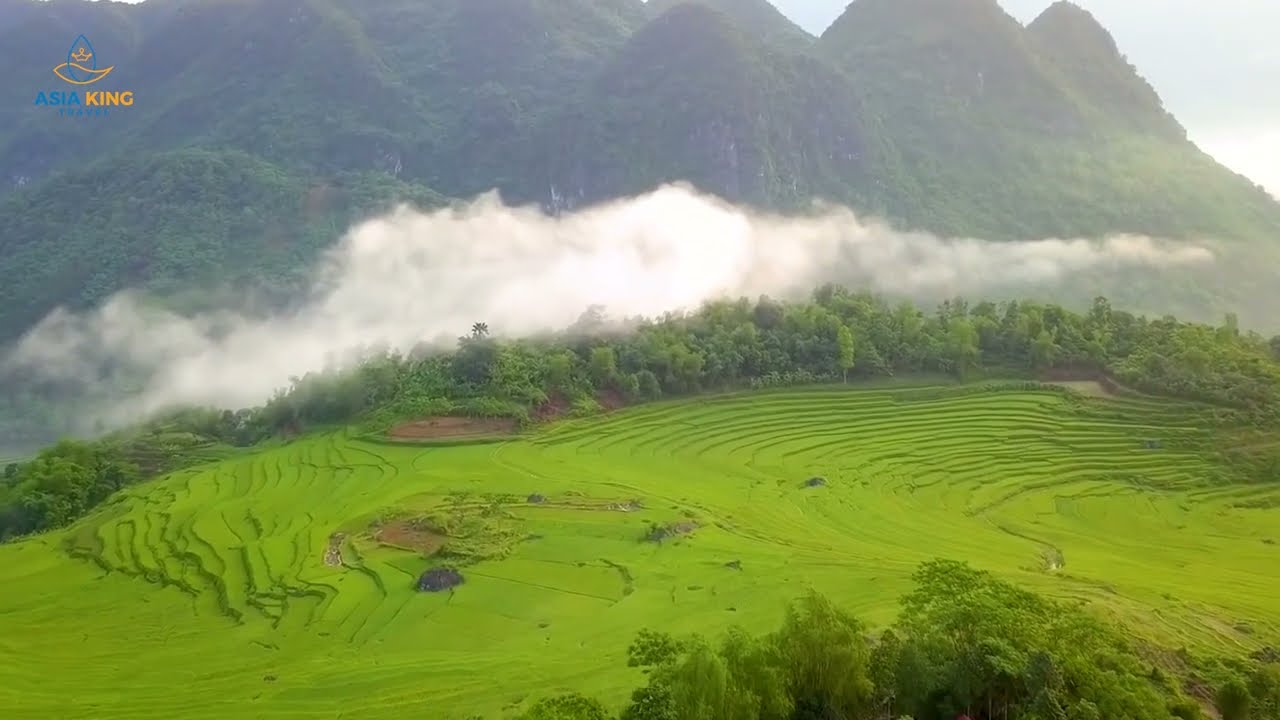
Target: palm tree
(479,330)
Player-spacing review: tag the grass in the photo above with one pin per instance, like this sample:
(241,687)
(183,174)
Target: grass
(206,594)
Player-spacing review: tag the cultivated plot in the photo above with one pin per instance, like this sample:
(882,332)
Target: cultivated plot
(286,583)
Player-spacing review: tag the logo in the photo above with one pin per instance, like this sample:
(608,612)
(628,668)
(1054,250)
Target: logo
(81,68)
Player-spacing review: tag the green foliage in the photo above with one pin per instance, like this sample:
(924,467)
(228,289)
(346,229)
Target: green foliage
(769,344)
(965,644)
(1233,700)
(567,707)
(1264,692)
(62,483)
(978,645)
(175,224)
(826,659)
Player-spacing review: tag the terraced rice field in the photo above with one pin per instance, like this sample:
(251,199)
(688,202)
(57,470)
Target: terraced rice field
(223,591)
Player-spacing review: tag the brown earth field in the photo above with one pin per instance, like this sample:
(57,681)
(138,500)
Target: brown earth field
(405,534)
(450,428)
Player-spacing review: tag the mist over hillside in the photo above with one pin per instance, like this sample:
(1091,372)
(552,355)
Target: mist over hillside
(413,279)
(222,185)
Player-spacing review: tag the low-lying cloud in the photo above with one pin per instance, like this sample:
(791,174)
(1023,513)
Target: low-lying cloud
(412,277)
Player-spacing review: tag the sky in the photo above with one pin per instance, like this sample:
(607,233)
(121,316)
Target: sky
(1216,64)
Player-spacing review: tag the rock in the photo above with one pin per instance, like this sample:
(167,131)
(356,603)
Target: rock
(815,481)
(439,579)
(536,499)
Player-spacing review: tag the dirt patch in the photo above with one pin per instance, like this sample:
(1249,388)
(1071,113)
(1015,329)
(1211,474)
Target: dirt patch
(1085,380)
(610,400)
(333,553)
(556,406)
(410,535)
(452,427)
(439,580)
(1088,388)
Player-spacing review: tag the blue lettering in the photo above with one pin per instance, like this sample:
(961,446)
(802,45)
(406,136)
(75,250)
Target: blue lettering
(55,98)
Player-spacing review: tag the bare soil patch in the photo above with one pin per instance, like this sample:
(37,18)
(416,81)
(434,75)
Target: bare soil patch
(452,427)
(410,535)
(610,400)
(1090,382)
(555,407)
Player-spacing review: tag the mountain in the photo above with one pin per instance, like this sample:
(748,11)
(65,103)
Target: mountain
(757,18)
(419,88)
(1009,132)
(942,115)
(185,217)
(1081,52)
(693,97)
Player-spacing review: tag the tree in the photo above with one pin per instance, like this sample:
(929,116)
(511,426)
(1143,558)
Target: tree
(604,366)
(1275,347)
(1044,351)
(567,707)
(844,348)
(1233,700)
(480,330)
(962,346)
(825,657)
(1264,691)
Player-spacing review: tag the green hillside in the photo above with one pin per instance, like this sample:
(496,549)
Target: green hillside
(191,215)
(1008,132)
(944,115)
(730,113)
(290,574)
(309,551)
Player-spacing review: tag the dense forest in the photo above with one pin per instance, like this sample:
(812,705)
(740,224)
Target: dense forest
(965,645)
(940,115)
(836,336)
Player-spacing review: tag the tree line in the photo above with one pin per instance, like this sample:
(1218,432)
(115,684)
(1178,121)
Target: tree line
(836,335)
(965,645)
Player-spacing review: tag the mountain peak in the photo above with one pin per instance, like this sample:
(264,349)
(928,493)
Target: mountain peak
(756,18)
(1065,18)
(1086,56)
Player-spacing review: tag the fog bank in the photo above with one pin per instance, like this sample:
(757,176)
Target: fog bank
(412,277)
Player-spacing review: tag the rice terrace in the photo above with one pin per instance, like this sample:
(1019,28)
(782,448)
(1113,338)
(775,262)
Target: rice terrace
(398,579)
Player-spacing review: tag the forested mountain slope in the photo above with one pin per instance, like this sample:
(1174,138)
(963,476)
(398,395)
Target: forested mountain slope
(1005,131)
(943,115)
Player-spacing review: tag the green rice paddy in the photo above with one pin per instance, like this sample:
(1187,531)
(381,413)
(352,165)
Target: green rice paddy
(207,594)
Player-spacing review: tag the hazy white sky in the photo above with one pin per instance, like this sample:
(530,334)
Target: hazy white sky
(1216,63)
